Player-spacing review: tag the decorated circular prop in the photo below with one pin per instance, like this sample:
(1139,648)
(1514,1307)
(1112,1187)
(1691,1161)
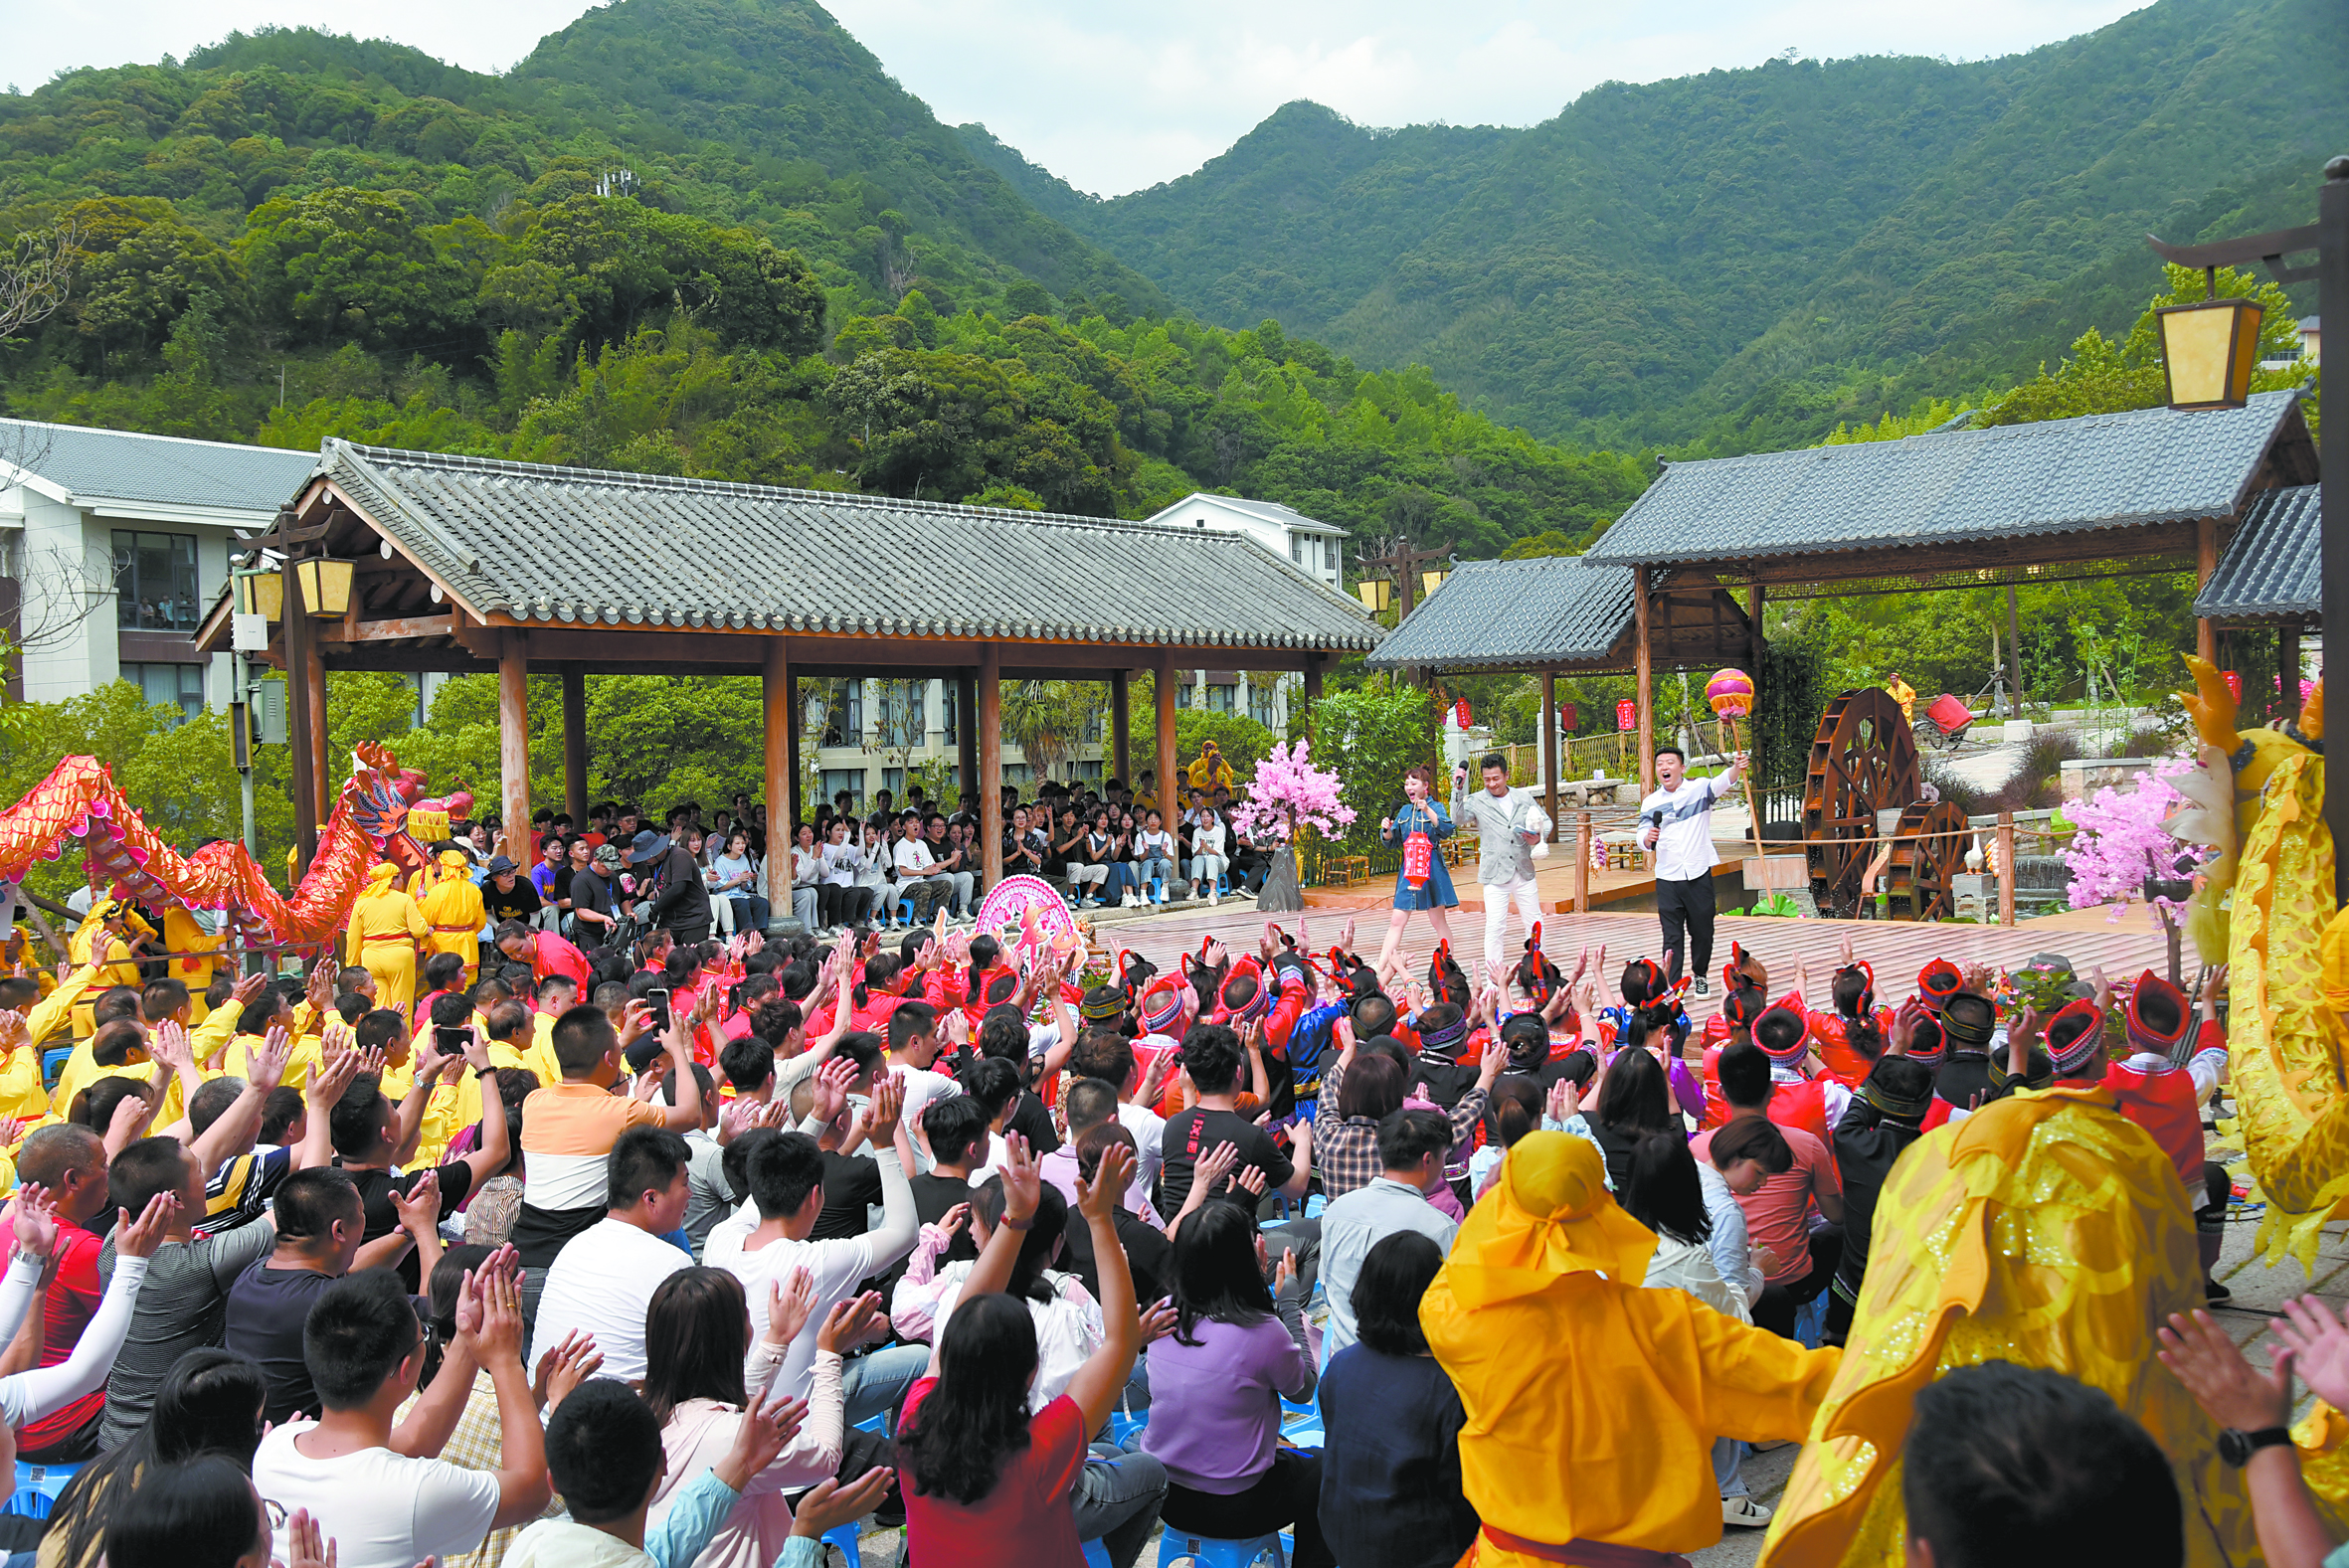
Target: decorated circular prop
(1027,913)
(1730,692)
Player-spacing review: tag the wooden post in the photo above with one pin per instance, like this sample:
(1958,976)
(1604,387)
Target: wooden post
(2288,669)
(774,699)
(1121,729)
(989,783)
(1313,681)
(1643,672)
(513,742)
(299,671)
(322,779)
(2206,562)
(1581,862)
(1756,646)
(967,734)
(790,806)
(2006,868)
(1169,783)
(575,772)
(1549,754)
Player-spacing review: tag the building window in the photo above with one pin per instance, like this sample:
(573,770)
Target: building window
(1260,706)
(900,720)
(844,723)
(1297,548)
(155,582)
(950,705)
(844,781)
(1015,773)
(893,786)
(1085,772)
(1223,699)
(178,686)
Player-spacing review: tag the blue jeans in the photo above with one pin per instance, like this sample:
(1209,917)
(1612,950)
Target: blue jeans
(874,1383)
(1156,869)
(1116,1499)
(751,913)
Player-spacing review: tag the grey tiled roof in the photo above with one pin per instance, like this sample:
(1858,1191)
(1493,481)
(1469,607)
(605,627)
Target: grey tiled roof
(1554,609)
(157,470)
(2103,470)
(2274,566)
(585,547)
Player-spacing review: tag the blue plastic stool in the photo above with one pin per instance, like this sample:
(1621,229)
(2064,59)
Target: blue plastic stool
(37,1488)
(53,1062)
(845,1537)
(1095,1554)
(1208,1553)
(1123,1423)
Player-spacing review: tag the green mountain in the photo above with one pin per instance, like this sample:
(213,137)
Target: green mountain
(1642,267)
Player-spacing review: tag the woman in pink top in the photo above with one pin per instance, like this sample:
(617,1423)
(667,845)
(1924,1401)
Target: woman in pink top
(700,1370)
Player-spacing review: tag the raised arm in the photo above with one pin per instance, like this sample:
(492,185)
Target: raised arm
(1102,1378)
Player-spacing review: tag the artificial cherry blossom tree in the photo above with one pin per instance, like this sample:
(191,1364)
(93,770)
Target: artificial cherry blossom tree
(1288,797)
(2122,840)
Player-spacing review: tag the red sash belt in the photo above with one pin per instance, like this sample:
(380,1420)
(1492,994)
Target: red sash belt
(1585,1554)
(387,936)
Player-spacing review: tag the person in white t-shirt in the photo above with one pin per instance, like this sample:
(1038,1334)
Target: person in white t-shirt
(920,887)
(603,1280)
(913,1052)
(356,1475)
(787,1184)
(1675,822)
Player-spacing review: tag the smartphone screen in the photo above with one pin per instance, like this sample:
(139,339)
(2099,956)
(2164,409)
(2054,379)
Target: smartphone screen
(661,1007)
(450,1037)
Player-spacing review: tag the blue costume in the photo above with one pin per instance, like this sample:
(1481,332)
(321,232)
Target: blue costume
(1436,892)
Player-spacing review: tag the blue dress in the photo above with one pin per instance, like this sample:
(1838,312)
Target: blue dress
(1437,892)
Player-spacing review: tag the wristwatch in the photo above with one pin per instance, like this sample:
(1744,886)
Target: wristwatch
(2236,1447)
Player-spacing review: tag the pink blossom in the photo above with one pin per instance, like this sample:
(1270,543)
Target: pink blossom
(1287,793)
(2122,840)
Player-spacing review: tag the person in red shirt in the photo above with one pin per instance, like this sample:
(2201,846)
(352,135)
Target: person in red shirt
(968,1502)
(71,1161)
(1851,1038)
(2165,1096)
(1741,1004)
(545,952)
(1804,1097)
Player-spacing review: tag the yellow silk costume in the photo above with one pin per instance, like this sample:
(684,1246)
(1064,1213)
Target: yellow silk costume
(385,928)
(122,969)
(198,955)
(1592,1403)
(2047,1230)
(453,904)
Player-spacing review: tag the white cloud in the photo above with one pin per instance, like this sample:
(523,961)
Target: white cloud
(1115,96)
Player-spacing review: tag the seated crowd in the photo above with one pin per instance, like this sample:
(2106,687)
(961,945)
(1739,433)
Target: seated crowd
(695,1250)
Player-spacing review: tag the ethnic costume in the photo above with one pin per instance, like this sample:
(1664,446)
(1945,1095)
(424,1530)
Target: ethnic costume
(1592,1403)
(2044,1230)
(385,928)
(453,904)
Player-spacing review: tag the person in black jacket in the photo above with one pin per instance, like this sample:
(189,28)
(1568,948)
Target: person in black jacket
(1883,1120)
(680,905)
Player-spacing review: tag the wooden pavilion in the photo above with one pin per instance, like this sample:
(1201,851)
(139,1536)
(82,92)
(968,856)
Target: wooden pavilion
(474,566)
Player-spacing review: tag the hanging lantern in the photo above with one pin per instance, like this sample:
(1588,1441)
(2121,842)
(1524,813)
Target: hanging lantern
(2208,351)
(325,586)
(262,594)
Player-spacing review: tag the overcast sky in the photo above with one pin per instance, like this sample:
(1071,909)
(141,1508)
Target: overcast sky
(1114,96)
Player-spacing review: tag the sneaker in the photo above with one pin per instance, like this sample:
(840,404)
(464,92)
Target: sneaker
(1704,988)
(2213,1291)
(1743,1513)
(1214,896)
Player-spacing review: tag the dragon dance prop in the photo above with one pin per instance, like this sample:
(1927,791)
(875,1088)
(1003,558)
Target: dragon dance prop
(80,801)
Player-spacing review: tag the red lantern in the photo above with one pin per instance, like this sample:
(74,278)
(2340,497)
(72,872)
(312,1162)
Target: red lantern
(1568,717)
(1627,715)
(1460,712)
(2233,683)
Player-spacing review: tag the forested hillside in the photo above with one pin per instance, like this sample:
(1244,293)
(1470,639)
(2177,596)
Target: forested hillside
(1645,266)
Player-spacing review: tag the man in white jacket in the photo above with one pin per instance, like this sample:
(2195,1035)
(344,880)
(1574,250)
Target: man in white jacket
(1508,825)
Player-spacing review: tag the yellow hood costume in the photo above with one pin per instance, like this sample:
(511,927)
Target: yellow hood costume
(453,905)
(385,928)
(1592,1403)
(2047,1230)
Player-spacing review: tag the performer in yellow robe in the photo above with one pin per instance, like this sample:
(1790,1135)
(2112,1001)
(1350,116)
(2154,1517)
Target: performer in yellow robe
(385,928)
(453,905)
(121,968)
(2047,1230)
(1592,1403)
(196,954)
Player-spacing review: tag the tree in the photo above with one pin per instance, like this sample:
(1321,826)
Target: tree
(1045,719)
(1369,736)
(1288,798)
(35,276)
(343,264)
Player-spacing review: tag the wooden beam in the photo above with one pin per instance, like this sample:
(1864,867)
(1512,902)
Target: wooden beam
(300,670)
(2287,668)
(401,628)
(323,782)
(2206,564)
(1643,675)
(1313,682)
(1548,757)
(988,684)
(513,744)
(575,759)
(774,693)
(966,686)
(1756,653)
(797,727)
(1169,792)
(1121,729)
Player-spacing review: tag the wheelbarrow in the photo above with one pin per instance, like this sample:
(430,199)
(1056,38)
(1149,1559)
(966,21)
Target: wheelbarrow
(1944,722)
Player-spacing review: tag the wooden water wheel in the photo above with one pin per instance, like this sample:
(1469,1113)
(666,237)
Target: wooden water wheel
(1919,879)
(1862,761)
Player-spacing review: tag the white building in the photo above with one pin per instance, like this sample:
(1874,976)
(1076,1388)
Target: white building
(1313,547)
(134,530)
